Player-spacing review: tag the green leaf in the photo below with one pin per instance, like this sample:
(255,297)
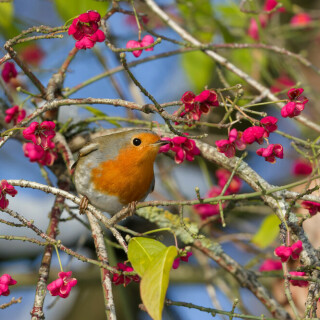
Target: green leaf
(198,18)
(72,8)
(287,4)
(155,281)
(7,27)
(141,252)
(6,14)
(227,35)
(95,111)
(99,113)
(199,68)
(267,232)
(231,16)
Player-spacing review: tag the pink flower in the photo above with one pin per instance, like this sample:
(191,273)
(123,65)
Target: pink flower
(183,256)
(228,147)
(62,286)
(223,176)
(258,133)
(206,210)
(271,152)
(313,207)
(85,29)
(295,104)
(188,100)
(184,148)
(6,188)
(37,154)
(270,265)
(89,41)
(283,82)
(255,133)
(41,134)
(283,252)
(299,283)
(269,123)
(253,31)
(301,167)
(301,19)
(206,99)
(5,282)
(121,278)
(296,249)
(15,114)
(146,41)
(195,106)
(32,54)
(271,4)
(9,71)
(134,44)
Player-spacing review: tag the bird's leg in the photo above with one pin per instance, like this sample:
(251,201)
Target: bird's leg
(132,208)
(123,213)
(83,204)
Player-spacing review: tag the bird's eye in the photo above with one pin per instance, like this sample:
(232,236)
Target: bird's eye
(136,142)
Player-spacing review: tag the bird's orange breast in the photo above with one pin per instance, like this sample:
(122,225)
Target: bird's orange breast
(129,176)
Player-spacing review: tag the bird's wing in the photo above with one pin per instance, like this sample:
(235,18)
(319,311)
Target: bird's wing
(88,148)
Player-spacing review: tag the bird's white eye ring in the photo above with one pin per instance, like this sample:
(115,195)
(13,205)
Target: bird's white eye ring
(136,142)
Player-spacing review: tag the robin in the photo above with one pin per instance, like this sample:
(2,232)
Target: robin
(115,170)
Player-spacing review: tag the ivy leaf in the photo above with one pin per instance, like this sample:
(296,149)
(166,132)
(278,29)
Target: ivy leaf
(267,232)
(76,7)
(141,252)
(155,281)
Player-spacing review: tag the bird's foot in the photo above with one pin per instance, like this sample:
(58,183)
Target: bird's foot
(127,211)
(83,204)
(132,208)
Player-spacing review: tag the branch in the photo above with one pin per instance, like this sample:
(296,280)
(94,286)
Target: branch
(223,61)
(13,301)
(189,235)
(52,231)
(102,255)
(55,242)
(97,213)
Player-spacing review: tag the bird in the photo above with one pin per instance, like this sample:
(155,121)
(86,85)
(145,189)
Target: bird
(115,170)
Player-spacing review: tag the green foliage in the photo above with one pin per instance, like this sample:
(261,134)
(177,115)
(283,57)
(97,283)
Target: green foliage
(199,69)
(286,3)
(141,251)
(6,20)
(267,232)
(75,7)
(198,18)
(98,113)
(232,16)
(95,111)
(153,261)
(155,281)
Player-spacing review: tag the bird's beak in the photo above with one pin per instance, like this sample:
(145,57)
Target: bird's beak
(160,143)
